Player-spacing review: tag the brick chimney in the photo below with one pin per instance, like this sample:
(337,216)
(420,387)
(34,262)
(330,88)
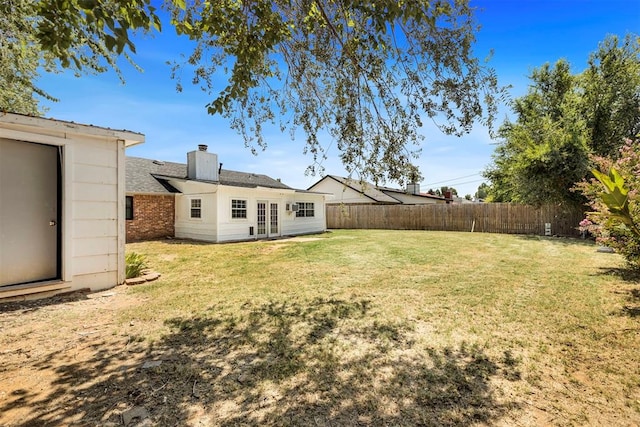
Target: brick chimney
(202,165)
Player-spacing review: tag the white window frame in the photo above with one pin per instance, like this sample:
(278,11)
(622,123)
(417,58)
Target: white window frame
(193,209)
(245,208)
(303,210)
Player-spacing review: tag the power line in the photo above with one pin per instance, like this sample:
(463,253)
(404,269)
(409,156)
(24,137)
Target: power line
(466,182)
(452,179)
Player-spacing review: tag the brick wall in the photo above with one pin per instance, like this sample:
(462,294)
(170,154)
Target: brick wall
(153,218)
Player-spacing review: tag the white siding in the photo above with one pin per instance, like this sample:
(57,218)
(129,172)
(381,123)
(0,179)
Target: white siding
(203,228)
(235,229)
(289,225)
(95,281)
(96,210)
(95,186)
(293,225)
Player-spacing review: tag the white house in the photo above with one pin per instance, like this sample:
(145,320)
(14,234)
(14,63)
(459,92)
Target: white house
(62,205)
(349,191)
(206,202)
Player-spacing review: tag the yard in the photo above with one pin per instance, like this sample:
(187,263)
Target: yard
(345,328)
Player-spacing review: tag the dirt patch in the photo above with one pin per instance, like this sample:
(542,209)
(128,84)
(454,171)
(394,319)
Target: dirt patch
(50,349)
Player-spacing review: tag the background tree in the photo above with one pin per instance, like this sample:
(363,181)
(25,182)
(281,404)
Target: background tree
(482,192)
(444,189)
(368,73)
(562,120)
(611,95)
(20,59)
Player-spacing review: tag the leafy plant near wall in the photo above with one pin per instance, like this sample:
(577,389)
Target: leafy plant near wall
(616,216)
(135,263)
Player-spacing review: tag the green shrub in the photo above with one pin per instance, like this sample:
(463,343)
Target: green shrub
(614,196)
(135,263)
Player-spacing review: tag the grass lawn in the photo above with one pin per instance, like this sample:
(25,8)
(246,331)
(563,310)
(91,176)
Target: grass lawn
(370,327)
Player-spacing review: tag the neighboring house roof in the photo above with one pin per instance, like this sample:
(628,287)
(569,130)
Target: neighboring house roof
(365,188)
(151,176)
(380,195)
(387,190)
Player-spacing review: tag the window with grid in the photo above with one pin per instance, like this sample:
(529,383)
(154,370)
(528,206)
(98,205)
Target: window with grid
(128,207)
(196,208)
(305,209)
(238,209)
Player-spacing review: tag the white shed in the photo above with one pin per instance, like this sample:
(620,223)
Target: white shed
(62,214)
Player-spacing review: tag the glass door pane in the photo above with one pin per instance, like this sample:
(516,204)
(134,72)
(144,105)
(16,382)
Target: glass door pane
(262,219)
(273,219)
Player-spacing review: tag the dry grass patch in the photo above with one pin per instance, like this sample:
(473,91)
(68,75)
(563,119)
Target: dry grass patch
(354,328)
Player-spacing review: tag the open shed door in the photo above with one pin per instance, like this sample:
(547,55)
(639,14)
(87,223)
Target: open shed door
(29,212)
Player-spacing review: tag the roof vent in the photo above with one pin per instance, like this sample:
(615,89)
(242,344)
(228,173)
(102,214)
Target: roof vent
(158,162)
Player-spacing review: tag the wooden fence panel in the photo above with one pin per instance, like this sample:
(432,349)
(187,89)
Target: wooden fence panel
(480,217)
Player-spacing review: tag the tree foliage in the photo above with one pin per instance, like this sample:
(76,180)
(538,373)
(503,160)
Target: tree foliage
(442,191)
(611,94)
(562,120)
(368,74)
(482,192)
(20,59)
(90,35)
(51,35)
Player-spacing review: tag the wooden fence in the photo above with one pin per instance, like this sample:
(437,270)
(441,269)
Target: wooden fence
(479,217)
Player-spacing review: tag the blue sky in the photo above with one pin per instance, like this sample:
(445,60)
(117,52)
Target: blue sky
(523,34)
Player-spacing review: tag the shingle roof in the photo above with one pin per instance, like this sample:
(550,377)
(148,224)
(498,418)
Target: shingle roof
(243,179)
(378,194)
(366,188)
(150,176)
(387,190)
(139,175)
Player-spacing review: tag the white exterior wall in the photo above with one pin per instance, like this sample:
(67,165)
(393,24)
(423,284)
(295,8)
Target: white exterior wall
(92,199)
(203,228)
(236,229)
(231,229)
(293,225)
(95,214)
(217,224)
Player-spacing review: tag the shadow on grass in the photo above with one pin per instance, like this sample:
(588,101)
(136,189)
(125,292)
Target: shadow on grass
(319,362)
(626,274)
(560,240)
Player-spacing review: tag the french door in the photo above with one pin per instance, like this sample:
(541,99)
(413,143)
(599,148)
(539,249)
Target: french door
(267,221)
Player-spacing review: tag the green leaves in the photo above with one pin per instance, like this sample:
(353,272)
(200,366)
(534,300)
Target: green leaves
(562,120)
(364,73)
(616,197)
